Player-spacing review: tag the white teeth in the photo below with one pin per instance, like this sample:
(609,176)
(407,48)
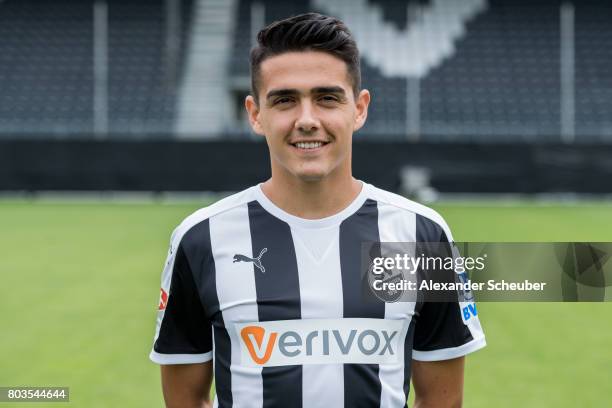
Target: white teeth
(309,145)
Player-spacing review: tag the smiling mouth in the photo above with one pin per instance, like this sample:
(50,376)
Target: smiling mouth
(309,145)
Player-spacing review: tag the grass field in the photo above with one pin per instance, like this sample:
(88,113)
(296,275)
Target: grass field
(80,282)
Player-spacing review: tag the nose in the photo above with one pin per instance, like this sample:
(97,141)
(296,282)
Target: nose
(307,121)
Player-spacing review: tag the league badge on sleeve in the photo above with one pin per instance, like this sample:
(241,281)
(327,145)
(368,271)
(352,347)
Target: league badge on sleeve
(163,300)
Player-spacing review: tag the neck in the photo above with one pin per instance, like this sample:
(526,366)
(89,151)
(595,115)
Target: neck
(312,199)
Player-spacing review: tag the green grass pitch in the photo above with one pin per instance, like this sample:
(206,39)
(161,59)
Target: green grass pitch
(80,281)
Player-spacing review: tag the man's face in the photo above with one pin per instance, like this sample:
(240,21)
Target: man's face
(308,113)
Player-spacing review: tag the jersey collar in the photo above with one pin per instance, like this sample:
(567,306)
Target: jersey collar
(330,221)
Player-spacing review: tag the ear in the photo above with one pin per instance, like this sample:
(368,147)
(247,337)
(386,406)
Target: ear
(362,103)
(253,111)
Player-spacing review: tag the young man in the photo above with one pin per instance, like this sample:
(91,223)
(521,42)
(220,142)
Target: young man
(266,284)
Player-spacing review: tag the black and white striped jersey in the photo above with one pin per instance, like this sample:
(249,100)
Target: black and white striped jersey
(276,302)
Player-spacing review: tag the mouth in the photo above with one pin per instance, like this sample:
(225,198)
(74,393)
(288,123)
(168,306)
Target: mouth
(310,146)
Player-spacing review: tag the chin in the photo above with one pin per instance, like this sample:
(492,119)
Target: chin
(311,176)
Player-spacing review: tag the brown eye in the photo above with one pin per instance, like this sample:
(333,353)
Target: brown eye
(281,101)
(329,98)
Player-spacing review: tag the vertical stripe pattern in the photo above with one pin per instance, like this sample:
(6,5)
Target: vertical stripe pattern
(361,383)
(321,298)
(441,325)
(205,275)
(244,262)
(397,226)
(235,285)
(278,298)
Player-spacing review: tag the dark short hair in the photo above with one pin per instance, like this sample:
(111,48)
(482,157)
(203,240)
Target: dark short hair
(306,32)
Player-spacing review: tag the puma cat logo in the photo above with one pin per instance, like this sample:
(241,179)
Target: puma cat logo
(256,261)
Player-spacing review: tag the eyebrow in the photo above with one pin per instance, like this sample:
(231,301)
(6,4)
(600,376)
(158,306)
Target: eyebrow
(328,89)
(318,90)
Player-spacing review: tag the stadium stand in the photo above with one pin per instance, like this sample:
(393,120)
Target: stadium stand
(593,74)
(500,81)
(141,99)
(204,102)
(481,70)
(46,67)
(503,80)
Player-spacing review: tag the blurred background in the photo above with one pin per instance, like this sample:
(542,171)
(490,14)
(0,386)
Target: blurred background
(471,96)
(118,118)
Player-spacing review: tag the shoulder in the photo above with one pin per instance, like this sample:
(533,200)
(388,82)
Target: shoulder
(203,215)
(426,218)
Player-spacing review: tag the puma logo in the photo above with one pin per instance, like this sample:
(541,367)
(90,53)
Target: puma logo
(256,261)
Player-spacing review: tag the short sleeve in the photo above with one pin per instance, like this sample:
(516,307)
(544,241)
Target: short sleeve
(183,333)
(444,330)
